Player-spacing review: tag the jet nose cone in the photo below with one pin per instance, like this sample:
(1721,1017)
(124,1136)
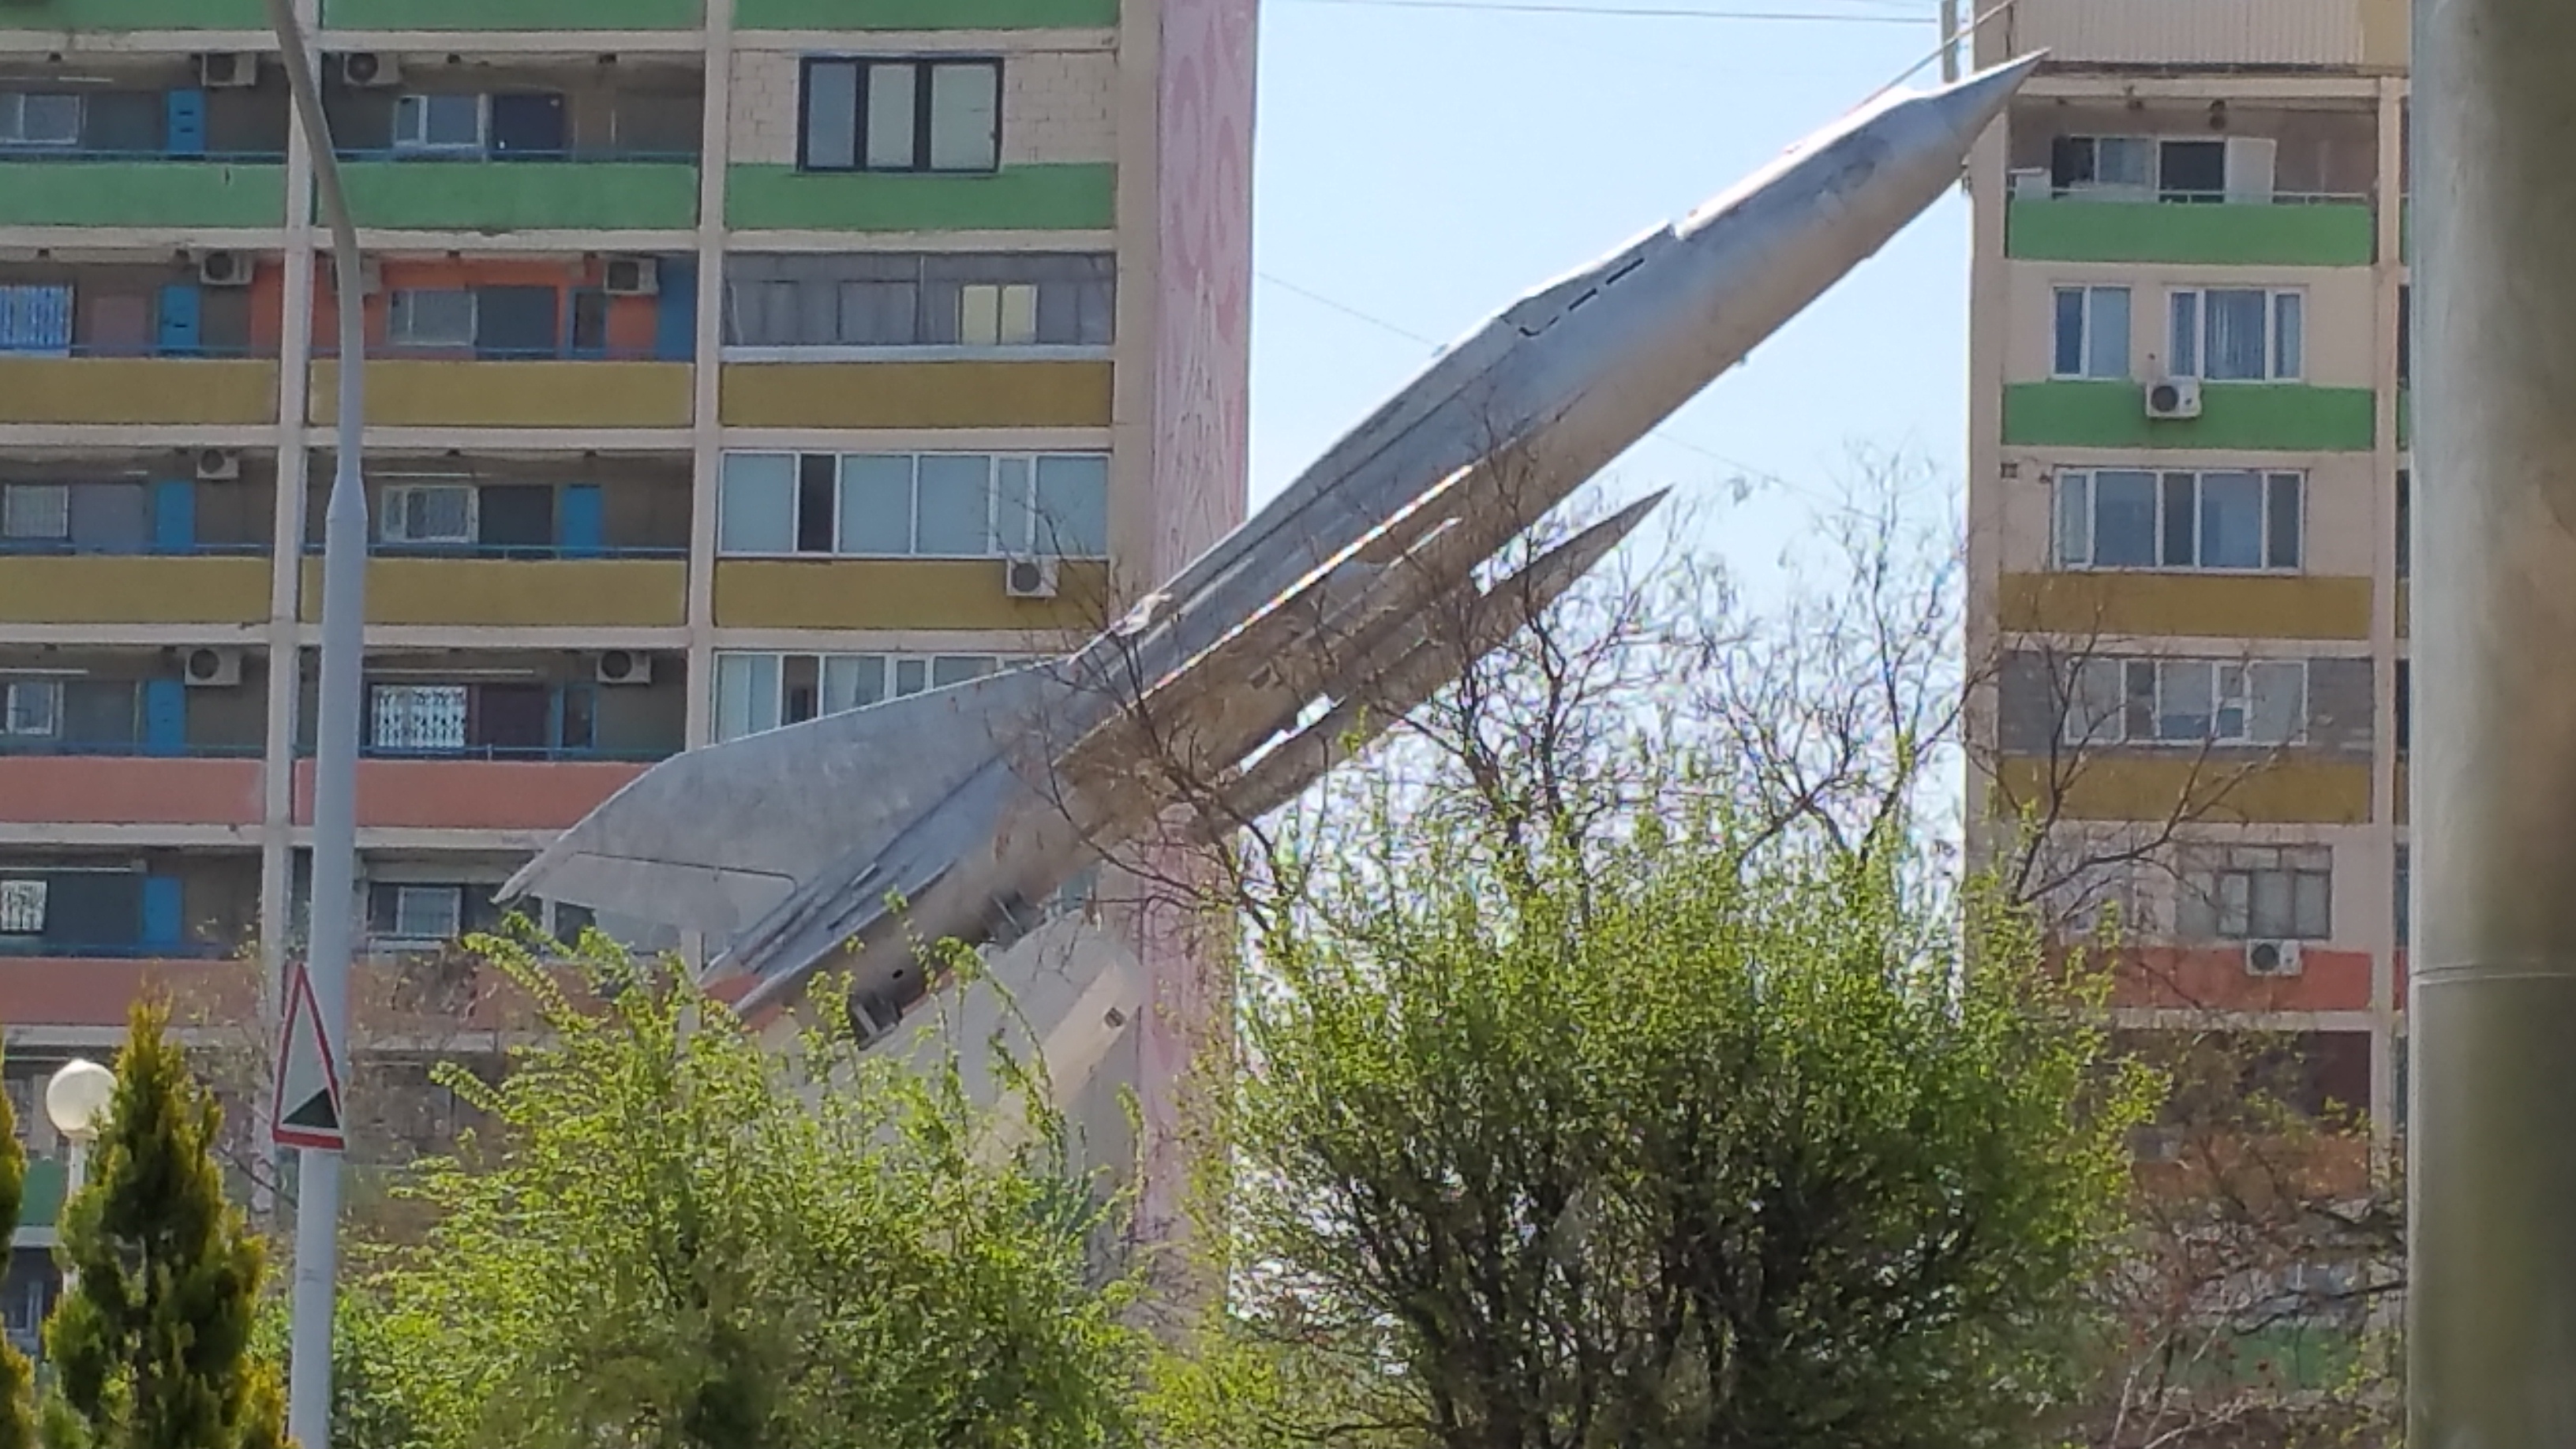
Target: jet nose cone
(1970,104)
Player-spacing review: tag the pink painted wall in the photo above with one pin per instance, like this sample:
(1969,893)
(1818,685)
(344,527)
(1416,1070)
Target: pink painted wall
(1201,410)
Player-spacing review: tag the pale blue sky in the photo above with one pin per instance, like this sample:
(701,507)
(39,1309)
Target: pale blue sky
(1426,165)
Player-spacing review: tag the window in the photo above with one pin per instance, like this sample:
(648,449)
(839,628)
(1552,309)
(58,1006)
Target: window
(991,315)
(2405,336)
(2405,521)
(428,513)
(432,318)
(22,908)
(428,913)
(757,692)
(36,319)
(2092,332)
(36,512)
(926,505)
(2258,892)
(35,119)
(32,708)
(896,299)
(439,123)
(2150,168)
(2187,702)
(2402,897)
(901,115)
(2129,518)
(422,717)
(2236,334)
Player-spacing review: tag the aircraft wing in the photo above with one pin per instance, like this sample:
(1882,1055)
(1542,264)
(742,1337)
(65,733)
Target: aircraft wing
(717,838)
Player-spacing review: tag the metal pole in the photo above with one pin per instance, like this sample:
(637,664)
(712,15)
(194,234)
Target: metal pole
(2491,1339)
(335,766)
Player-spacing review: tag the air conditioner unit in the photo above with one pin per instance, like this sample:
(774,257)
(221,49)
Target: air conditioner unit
(625,666)
(218,465)
(2031,183)
(2271,958)
(228,69)
(369,70)
(2174,397)
(1028,576)
(212,668)
(224,269)
(631,277)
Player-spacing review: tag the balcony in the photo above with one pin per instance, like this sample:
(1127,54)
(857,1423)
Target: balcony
(2213,978)
(459,794)
(534,588)
(59,790)
(2297,789)
(902,594)
(577,191)
(2299,231)
(979,394)
(119,391)
(2287,34)
(2186,605)
(91,189)
(1059,196)
(514,393)
(2274,417)
(924,15)
(109,589)
(512,15)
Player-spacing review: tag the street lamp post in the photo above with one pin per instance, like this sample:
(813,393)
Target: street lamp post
(76,1102)
(335,764)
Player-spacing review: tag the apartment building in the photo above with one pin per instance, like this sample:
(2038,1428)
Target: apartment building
(730,361)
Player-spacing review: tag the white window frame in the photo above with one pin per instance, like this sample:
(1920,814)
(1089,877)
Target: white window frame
(31,709)
(22,906)
(452,897)
(396,524)
(13,121)
(36,512)
(2189,356)
(402,320)
(924,146)
(1030,538)
(2093,300)
(997,314)
(420,103)
(898,676)
(2075,527)
(2246,177)
(2229,685)
(415,696)
(2225,887)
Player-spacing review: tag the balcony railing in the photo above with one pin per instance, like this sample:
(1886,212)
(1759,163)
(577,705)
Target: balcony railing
(521,552)
(545,754)
(64,548)
(125,749)
(21,946)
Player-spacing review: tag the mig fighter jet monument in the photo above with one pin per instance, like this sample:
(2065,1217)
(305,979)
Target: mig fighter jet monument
(1263,661)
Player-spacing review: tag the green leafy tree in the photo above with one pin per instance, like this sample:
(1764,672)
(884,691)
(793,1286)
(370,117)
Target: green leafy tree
(151,1347)
(673,1236)
(17,1375)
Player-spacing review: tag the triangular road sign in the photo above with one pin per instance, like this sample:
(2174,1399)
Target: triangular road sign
(307,1110)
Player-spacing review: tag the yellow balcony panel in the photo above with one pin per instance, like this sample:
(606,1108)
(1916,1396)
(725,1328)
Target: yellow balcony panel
(606,592)
(2261,606)
(916,394)
(432,393)
(2190,787)
(111,390)
(901,594)
(96,589)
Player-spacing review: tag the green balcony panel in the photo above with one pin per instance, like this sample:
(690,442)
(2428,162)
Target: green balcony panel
(2318,234)
(523,195)
(1066,197)
(2267,417)
(513,14)
(142,193)
(919,14)
(134,15)
(42,1200)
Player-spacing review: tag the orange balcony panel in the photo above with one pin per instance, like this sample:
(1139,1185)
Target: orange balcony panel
(2212,978)
(474,794)
(77,790)
(40,992)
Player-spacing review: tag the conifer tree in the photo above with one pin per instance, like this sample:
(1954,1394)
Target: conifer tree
(151,1346)
(17,1376)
